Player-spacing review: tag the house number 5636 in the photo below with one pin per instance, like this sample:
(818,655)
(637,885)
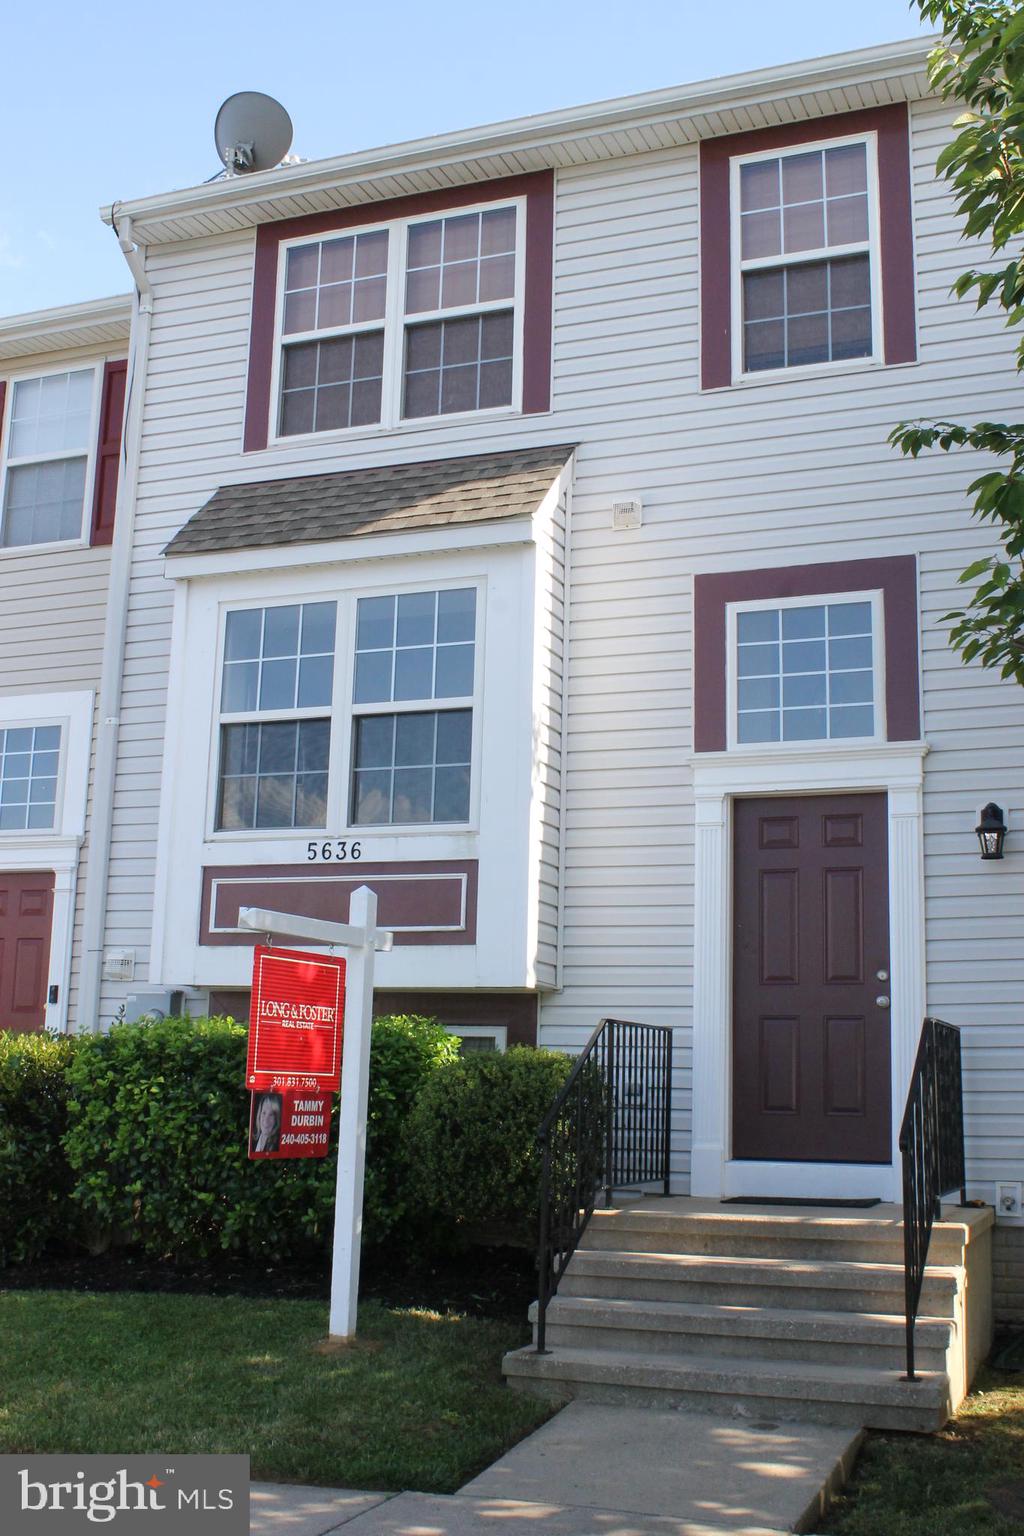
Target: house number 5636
(334,848)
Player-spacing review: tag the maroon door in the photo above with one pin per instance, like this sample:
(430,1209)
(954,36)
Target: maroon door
(26,916)
(811,1065)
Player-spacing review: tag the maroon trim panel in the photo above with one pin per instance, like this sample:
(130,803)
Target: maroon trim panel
(108,452)
(425,903)
(538,188)
(896,234)
(895,575)
(516,1011)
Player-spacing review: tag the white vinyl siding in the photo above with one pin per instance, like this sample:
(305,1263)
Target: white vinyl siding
(782,471)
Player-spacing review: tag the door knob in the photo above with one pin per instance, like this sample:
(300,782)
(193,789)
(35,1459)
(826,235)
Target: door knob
(883,1001)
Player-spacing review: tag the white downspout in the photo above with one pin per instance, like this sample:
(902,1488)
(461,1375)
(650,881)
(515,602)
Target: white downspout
(98,867)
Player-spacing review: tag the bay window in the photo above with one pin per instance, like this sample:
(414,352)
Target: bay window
(407,699)
(412,764)
(277,683)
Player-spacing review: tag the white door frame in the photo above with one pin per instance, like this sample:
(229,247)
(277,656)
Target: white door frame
(719,777)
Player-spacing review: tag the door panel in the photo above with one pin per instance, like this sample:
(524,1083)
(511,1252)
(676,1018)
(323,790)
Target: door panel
(26,918)
(811,1056)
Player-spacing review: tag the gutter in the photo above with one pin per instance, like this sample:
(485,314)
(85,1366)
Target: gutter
(254,194)
(115,628)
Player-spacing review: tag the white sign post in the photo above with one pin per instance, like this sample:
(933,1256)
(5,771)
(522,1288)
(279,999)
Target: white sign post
(361,938)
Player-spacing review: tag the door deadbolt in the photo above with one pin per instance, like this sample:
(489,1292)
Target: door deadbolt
(882,975)
(883,1001)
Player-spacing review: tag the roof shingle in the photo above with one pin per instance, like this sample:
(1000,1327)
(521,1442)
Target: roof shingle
(482,488)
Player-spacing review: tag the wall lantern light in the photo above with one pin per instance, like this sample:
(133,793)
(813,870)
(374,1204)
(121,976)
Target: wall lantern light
(991,830)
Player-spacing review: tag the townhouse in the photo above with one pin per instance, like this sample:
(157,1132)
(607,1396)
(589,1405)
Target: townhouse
(508,523)
(63,378)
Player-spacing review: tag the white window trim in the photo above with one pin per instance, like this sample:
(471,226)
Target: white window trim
(394,323)
(815,600)
(719,777)
(496,1032)
(741,375)
(342,711)
(55,849)
(91,455)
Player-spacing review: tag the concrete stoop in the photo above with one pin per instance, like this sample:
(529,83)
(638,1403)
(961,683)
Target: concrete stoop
(782,1313)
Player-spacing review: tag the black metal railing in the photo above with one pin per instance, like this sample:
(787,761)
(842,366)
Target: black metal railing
(932,1147)
(609,1128)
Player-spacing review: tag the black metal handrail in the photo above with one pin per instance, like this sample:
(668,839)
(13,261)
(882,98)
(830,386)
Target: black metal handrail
(609,1128)
(932,1146)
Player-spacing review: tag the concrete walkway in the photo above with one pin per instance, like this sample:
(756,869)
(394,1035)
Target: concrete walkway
(602,1471)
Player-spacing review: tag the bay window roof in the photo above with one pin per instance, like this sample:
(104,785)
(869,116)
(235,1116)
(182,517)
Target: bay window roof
(437,493)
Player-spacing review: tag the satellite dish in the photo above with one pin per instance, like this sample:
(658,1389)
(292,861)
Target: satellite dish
(253,132)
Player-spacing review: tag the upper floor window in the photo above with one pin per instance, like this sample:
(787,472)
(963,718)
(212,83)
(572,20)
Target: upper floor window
(805,671)
(804,256)
(419,318)
(276,688)
(47,459)
(806,247)
(415,309)
(29,765)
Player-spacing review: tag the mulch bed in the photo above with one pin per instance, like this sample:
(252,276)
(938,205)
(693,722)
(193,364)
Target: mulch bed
(482,1282)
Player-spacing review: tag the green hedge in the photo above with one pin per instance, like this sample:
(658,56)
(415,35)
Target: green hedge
(35,1180)
(158,1141)
(140,1136)
(471,1142)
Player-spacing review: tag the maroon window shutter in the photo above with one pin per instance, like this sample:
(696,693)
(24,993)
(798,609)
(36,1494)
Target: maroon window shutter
(3,402)
(108,452)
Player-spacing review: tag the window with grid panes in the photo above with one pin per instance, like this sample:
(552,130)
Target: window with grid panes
(47,454)
(29,766)
(413,707)
(805,673)
(414,320)
(276,689)
(804,257)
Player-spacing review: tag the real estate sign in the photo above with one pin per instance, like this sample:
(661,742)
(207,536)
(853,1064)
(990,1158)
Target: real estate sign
(296,1022)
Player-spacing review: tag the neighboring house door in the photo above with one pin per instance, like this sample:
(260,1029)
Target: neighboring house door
(811,1055)
(26,918)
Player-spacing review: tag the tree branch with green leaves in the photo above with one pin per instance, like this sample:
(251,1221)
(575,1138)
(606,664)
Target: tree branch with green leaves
(980,63)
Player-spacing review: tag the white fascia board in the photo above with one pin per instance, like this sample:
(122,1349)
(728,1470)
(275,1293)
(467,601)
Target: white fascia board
(833,71)
(378,546)
(45,330)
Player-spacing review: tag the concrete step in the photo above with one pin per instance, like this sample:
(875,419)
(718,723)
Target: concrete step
(781,1333)
(754,1388)
(830,1285)
(776,1234)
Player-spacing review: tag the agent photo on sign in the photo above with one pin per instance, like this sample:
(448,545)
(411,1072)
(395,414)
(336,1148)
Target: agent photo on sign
(265,1124)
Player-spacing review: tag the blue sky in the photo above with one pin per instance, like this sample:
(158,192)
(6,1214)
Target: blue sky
(118,100)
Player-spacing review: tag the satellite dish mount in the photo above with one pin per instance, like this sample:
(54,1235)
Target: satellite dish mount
(253,132)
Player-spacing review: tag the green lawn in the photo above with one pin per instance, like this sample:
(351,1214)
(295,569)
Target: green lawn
(966,1481)
(417,1402)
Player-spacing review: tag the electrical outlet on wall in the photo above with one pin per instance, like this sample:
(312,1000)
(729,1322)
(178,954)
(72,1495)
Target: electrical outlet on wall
(1009,1200)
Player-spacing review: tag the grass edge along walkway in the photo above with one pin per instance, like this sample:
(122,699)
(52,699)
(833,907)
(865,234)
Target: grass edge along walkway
(416,1401)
